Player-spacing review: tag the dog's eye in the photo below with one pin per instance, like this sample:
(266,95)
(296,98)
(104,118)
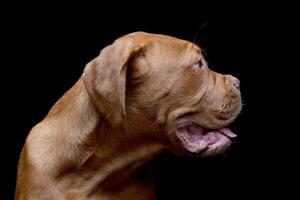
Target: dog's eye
(199,64)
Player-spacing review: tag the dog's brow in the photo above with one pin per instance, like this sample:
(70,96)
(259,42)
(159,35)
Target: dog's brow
(197,48)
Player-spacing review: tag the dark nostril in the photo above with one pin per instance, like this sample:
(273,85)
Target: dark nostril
(236,83)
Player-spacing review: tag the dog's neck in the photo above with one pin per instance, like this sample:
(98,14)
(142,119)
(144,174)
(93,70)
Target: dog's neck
(123,150)
(104,154)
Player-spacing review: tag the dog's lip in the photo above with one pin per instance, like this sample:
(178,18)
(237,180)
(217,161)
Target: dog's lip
(198,139)
(185,122)
(189,125)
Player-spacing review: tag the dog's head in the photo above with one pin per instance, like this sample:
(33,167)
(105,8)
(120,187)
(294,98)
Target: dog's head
(163,85)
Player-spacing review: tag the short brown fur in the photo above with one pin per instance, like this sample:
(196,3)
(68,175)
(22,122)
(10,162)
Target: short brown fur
(96,140)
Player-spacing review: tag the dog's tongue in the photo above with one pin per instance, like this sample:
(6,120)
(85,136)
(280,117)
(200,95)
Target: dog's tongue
(196,130)
(227,132)
(197,139)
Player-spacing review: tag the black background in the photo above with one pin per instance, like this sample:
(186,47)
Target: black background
(45,48)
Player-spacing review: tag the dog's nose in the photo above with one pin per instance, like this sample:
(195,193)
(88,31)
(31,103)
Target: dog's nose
(233,80)
(236,83)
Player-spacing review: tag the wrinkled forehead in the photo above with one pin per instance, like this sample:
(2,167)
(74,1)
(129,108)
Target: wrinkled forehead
(162,46)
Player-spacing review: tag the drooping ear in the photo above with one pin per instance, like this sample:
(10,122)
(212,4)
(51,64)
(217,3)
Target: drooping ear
(105,78)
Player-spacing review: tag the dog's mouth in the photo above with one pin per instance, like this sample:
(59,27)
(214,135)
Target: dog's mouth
(205,142)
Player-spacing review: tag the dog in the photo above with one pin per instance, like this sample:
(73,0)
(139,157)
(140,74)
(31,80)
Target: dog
(143,95)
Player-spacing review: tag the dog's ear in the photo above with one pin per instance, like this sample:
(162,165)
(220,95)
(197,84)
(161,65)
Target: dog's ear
(105,78)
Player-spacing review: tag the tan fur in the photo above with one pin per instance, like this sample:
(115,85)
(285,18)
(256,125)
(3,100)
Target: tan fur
(96,139)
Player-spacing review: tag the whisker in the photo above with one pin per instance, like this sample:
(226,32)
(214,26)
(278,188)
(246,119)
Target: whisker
(199,30)
(200,40)
(204,52)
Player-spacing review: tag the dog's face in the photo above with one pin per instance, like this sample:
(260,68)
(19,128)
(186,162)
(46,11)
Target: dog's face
(166,82)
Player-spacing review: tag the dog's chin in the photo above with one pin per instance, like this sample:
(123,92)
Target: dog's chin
(203,142)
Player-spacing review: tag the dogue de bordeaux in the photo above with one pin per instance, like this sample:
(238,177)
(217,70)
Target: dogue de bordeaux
(144,94)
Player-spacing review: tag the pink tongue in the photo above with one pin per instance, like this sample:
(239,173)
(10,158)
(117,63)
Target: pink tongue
(228,132)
